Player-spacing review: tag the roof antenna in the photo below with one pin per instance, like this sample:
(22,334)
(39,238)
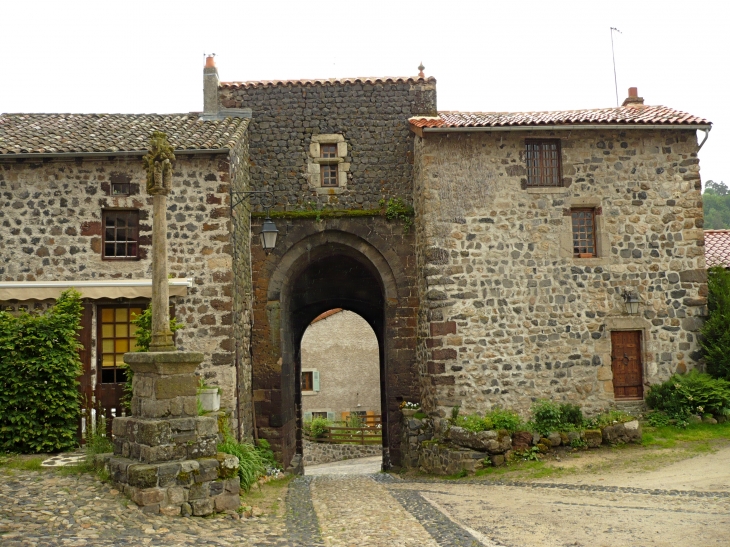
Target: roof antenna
(613,55)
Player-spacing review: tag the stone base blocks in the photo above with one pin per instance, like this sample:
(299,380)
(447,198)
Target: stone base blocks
(165,457)
(188,487)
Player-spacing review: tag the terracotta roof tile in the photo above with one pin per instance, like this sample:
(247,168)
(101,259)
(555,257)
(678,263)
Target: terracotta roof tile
(325,315)
(619,115)
(717,248)
(81,133)
(330,81)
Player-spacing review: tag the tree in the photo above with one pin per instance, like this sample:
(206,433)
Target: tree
(715,340)
(716,206)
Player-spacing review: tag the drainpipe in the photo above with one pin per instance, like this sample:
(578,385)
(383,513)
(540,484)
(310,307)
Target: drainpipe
(707,134)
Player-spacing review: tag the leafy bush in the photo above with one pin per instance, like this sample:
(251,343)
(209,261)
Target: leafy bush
(317,427)
(472,422)
(691,393)
(503,419)
(715,339)
(39,364)
(571,415)
(250,463)
(608,418)
(658,418)
(546,417)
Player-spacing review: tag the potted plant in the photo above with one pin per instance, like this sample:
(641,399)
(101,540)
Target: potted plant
(409,409)
(209,397)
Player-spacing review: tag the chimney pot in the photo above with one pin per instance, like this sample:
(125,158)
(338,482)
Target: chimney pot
(210,61)
(633,99)
(211,105)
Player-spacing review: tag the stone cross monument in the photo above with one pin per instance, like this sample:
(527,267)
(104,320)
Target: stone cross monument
(158,163)
(165,454)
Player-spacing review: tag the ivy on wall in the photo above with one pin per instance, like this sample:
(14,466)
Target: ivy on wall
(39,367)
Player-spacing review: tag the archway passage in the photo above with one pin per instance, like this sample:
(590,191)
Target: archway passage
(332,278)
(359,265)
(340,387)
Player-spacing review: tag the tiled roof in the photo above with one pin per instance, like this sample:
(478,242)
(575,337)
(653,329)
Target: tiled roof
(717,248)
(325,315)
(330,81)
(619,115)
(83,133)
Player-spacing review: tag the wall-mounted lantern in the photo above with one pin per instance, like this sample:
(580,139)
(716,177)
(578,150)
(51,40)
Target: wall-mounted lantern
(268,234)
(268,230)
(631,301)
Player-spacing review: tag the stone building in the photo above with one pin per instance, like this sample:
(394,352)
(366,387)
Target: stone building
(340,368)
(506,284)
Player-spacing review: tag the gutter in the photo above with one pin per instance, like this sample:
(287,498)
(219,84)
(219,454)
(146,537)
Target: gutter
(186,282)
(133,153)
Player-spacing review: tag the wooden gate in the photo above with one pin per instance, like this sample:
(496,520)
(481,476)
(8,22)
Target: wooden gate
(626,364)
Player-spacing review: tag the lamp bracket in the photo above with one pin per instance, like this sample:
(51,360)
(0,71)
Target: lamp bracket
(239,197)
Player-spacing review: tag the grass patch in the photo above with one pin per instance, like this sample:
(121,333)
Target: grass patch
(669,436)
(21,463)
(268,497)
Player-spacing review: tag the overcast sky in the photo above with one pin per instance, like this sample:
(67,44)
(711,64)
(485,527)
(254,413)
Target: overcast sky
(144,56)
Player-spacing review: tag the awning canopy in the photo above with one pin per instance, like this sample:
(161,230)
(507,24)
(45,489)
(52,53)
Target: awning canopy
(94,289)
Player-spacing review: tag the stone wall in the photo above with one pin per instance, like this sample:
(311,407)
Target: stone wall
(507,314)
(344,350)
(318,453)
(50,229)
(372,118)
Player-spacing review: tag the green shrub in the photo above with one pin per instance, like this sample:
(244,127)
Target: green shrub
(252,460)
(571,415)
(608,418)
(503,419)
(546,417)
(317,427)
(472,422)
(39,364)
(691,393)
(715,339)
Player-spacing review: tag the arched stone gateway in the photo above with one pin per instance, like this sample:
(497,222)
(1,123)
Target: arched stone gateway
(359,265)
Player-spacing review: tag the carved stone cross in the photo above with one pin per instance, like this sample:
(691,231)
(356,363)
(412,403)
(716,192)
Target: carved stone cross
(158,162)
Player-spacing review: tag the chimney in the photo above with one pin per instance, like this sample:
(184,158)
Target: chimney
(210,87)
(633,99)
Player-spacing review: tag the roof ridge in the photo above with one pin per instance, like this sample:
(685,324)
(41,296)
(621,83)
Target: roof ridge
(316,81)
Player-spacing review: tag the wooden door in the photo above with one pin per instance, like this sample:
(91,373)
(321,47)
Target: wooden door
(626,364)
(116,336)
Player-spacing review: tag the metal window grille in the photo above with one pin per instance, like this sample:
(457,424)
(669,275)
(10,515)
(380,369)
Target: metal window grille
(584,232)
(543,163)
(121,234)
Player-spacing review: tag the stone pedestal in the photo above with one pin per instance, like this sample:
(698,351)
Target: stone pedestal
(165,456)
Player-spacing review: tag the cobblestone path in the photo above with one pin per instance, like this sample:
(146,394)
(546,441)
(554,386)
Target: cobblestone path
(49,509)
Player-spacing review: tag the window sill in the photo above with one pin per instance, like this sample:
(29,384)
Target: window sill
(328,161)
(310,392)
(546,190)
(594,261)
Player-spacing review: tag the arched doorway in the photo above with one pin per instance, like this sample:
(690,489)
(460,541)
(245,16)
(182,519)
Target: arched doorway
(316,271)
(340,388)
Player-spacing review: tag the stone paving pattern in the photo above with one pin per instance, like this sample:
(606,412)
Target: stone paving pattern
(49,509)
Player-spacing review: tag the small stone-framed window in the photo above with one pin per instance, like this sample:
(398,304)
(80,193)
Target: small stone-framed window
(120,234)
(322,415)
(543,163)
(120,188)
(583,221)
(327,168)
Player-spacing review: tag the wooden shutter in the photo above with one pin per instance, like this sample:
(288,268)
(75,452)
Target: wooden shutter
(315,379)
(307,416)
(330,416)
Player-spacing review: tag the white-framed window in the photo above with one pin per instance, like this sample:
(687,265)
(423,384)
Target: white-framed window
(327,168)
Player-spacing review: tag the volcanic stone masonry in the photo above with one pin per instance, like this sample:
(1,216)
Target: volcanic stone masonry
(507,314)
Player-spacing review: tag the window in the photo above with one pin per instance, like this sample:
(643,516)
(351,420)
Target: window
(328,170)
(543,163)
(584,232)
(319,415)
(307,383)
(121,234)
(118,336)
(120,189)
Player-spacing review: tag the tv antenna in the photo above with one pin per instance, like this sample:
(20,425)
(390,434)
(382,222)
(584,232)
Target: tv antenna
(613,55)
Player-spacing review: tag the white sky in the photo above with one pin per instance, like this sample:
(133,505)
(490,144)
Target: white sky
(144,56)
